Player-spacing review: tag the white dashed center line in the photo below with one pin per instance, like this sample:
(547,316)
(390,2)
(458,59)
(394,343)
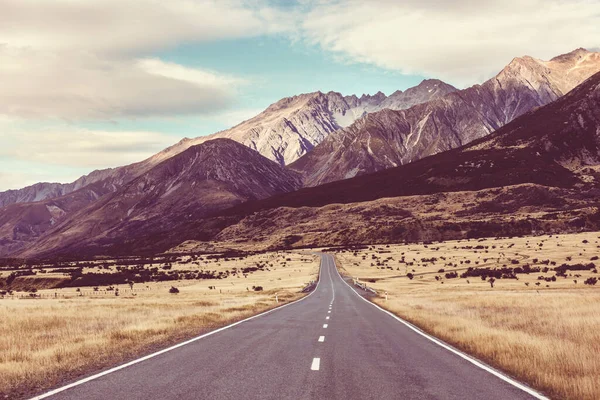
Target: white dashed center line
(324,325)
(316,364)
(329,312)
(326,317)
(321,339)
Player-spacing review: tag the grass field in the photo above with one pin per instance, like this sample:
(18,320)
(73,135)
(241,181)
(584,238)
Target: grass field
(545,332)
(67,333)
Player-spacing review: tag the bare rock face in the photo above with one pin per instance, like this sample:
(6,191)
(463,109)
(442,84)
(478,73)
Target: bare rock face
(196,182)
(429,89)
(388,138)
(47,190)
(294,125)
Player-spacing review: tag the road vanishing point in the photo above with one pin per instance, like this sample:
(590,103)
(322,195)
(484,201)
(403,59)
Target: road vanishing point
(332,344)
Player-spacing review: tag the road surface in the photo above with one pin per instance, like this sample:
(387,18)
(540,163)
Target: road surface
(330,345)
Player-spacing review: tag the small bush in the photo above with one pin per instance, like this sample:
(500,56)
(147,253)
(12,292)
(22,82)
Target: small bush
(591,281)
(173,290)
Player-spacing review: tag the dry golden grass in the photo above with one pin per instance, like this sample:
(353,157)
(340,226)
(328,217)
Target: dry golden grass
(547,335)
(46,341)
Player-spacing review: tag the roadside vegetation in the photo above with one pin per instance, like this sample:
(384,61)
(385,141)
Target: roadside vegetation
(526,305)
(52,331)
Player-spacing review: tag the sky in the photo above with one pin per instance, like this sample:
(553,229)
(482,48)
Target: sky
(89,84)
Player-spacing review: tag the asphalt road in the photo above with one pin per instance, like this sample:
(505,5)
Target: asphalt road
(330,345)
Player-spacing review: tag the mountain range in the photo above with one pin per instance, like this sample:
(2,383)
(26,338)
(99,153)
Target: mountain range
(188,186)
(539,173)
(187,190)
(390,138)
(284,132)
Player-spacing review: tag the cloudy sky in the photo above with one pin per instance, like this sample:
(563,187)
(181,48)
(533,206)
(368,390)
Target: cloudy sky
(89,84)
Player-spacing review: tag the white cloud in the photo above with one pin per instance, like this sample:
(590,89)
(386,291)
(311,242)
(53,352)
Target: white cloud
(63,152)
(235,117)
(88,59)
(463,42)
(157,67)
(68,146)
(17,180)
(40,84)
(131,26)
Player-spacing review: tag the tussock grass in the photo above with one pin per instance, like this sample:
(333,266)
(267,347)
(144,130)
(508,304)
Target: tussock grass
(44,342)
(548,337)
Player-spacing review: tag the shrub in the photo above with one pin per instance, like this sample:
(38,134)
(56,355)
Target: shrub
(591,281)
(173,290)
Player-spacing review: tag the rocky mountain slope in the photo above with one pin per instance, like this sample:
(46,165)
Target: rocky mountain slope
(390,138)
(47,190)
(429,89)
(22,223)
(198,181)
(104,180)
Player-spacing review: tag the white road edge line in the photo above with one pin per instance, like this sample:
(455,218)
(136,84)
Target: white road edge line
(149,356)
(325,326)
(321,339)
(446,346)
(316,364)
